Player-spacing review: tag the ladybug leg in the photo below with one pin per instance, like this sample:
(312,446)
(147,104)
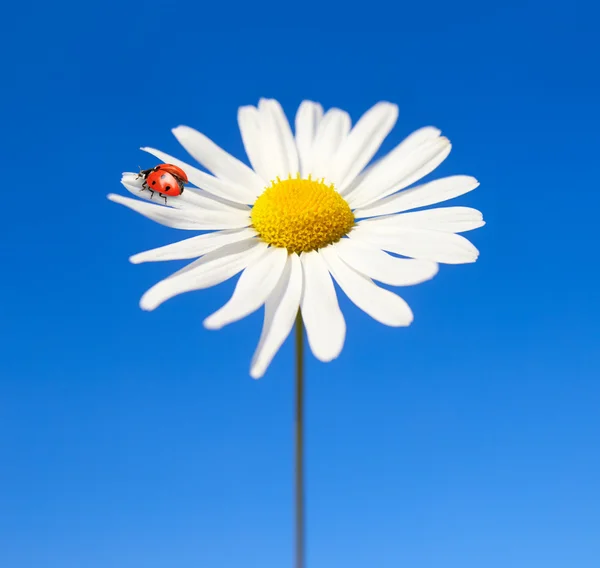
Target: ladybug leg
(165,198)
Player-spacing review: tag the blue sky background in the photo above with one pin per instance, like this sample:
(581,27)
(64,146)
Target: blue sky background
(138,440)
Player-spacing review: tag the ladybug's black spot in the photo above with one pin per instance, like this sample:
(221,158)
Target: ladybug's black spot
(154,182)
(168,187)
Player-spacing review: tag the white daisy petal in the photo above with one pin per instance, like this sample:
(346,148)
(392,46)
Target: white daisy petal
(437,246)
(377,264)
(211,269)
(205,199)
(194,219)
(386,171)
(357,149)
(382,305)
(281,308)
(308,118)
(349,189)
(194,247)
(253,288)
(249,120)
(420,162)
(426,160)
(278,140)
(213,185)
(191,198)
(332,130)
(430,193)
(323,319)
(446,219)
(217,160)
(414,140)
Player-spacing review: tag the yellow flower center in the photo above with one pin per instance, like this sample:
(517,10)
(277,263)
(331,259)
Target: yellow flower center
(301,215)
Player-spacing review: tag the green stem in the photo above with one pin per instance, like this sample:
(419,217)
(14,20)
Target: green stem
(299,442)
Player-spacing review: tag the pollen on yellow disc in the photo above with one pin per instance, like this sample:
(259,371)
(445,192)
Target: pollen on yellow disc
(301,215)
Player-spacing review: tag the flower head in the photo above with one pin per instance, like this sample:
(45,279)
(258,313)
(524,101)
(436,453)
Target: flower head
(310,208)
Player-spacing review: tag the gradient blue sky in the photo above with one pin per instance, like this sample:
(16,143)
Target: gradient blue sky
(138,440)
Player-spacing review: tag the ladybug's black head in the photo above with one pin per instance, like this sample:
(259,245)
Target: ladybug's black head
(146,173)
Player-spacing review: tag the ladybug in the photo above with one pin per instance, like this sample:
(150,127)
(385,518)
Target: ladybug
(165,179)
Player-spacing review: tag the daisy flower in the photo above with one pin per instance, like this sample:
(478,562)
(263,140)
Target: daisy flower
(309,211)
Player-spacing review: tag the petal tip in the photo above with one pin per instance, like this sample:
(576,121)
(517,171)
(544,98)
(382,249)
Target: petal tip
(212,323)
(435,268)
(309,103)
(245,109)
(182,129)
(388,104)
(327,358)
(257,368)
(131,178)
(147,304)
(405,322)
(265,101)
(392,106)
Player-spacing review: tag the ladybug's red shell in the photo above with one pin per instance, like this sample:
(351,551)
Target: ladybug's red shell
(164,179)
(164,182)
(174,170)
